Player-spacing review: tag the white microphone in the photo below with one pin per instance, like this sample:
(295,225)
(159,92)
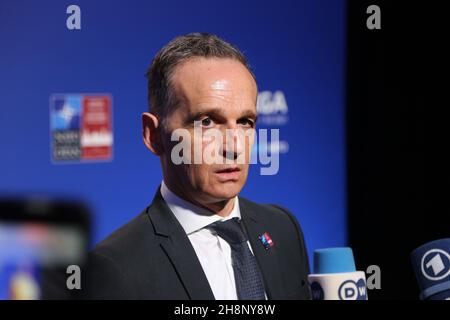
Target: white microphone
(335,276)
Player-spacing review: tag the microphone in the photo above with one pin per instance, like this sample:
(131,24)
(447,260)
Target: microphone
(431,264)
(335,276)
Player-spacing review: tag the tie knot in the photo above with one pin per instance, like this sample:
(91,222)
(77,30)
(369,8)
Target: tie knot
(230,230)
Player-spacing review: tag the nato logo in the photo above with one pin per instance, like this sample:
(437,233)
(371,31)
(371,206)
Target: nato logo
(351,290)
(81,127)
(435,264)
(65,113)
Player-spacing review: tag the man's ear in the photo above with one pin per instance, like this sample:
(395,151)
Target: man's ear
(151,132)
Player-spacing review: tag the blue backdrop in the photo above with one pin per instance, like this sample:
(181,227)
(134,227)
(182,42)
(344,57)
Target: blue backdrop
(295,47)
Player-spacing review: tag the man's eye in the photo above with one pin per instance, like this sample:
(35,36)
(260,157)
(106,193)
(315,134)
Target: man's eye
(247,122)
(207,122)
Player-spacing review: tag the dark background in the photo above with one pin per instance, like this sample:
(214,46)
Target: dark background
(396,163)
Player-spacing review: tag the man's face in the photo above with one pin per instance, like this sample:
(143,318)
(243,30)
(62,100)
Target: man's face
(219,95)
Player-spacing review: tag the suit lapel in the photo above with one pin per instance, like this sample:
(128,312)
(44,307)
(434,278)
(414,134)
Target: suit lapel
(267,259)
(179,250)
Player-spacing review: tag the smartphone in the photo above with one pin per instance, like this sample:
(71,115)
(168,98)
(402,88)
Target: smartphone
(39,240)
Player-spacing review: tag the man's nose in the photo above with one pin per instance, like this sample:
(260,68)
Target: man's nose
(233,144)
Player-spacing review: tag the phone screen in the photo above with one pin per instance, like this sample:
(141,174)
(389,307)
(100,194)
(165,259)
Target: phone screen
(32,245)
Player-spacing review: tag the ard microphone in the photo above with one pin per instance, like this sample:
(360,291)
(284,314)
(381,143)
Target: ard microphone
(335,276)
(431,264)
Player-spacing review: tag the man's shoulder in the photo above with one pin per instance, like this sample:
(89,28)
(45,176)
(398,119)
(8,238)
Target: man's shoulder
(270,213)
(276,218)
(129,235)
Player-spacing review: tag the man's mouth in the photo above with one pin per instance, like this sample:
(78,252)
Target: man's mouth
(229,173)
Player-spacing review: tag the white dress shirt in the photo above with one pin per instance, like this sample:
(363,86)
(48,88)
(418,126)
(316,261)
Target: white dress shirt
(213,252)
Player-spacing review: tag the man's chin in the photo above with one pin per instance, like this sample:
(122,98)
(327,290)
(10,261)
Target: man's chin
(224,192)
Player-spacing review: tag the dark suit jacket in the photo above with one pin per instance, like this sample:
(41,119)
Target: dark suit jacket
(151,257)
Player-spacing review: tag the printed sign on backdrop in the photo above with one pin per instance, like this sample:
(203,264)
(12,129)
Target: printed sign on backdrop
(81,127)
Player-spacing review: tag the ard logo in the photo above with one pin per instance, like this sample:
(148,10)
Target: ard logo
(435,264)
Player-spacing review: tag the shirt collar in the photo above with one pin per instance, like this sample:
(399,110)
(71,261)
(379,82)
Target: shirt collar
(191,217)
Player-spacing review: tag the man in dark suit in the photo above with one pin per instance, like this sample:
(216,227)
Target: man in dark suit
(198,239)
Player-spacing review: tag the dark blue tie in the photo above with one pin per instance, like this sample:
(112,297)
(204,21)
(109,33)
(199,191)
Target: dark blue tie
(249,283)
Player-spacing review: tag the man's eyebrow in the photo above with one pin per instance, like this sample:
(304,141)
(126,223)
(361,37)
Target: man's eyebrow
(218,114)
(249,114)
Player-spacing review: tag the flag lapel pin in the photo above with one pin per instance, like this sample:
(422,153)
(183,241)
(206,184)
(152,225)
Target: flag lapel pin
(265,240)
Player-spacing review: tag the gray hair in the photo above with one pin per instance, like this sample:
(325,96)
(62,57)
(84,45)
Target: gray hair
(161,98)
